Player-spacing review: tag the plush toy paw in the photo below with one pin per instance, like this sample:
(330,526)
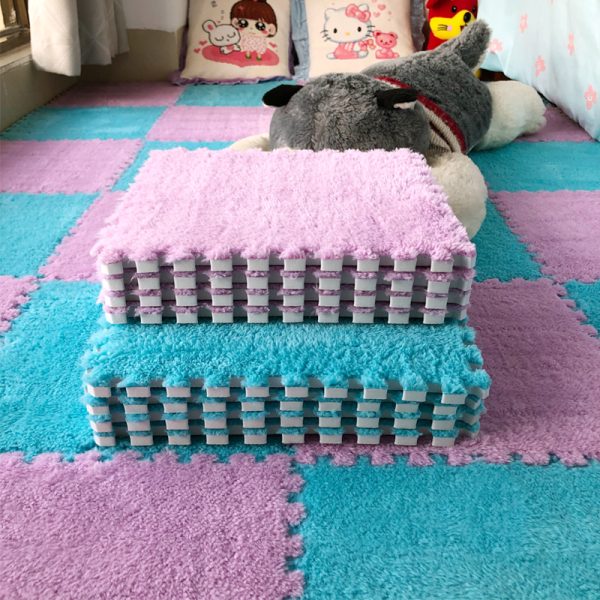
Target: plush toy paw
(535,119)
(253,142)
(517,109)
(464,185)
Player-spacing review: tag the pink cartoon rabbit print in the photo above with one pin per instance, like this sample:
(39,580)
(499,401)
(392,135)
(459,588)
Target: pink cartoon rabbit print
(350,29)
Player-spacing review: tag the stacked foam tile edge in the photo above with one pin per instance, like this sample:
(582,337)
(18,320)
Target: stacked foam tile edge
(211,383)
(364,236)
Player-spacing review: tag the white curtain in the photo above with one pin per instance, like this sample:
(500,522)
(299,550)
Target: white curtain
(66,34)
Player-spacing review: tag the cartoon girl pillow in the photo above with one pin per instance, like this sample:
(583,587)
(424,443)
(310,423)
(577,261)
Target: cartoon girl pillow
(238,40)
(256,22)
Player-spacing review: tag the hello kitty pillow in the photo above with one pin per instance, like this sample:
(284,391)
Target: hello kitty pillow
(237,40)
(345,36)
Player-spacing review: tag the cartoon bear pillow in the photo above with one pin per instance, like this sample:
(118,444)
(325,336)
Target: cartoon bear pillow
(346,36)
(237,40)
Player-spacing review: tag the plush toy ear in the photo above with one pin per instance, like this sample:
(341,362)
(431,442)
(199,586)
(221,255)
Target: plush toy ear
(280,95)
(402,98)
(471,45)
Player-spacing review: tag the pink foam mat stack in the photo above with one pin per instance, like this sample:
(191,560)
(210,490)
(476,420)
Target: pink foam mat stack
(363,237)
(204,237)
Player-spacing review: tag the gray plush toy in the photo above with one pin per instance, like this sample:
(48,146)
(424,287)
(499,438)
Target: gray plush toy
(430,102)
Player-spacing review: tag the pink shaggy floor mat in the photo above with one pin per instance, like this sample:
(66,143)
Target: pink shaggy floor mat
(64,166)
(13,293)
(72,260)
(301,204)
(210,124)
(559,128)
(120,94)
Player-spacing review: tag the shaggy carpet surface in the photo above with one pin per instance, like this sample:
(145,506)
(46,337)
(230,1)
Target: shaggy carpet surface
(513,513)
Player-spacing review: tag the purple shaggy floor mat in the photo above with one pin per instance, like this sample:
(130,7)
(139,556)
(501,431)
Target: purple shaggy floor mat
(561,228)
(131,528)
(121,527)
(283,207)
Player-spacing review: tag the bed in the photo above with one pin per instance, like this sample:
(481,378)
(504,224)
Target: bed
(552,45)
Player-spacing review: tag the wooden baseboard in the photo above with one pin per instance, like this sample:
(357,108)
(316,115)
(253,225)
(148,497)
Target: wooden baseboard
(153,56)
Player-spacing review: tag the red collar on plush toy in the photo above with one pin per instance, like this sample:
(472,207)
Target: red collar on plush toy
(447,18)
(445,132)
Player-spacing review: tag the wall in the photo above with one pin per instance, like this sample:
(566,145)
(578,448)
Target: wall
(160,15)
(24,88)
(155,32)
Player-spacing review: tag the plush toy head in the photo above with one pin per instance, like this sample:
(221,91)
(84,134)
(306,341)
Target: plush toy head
(340,112)
(458,104)
(447,19)
(377,109)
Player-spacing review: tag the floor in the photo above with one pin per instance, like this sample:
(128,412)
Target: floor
(513,514)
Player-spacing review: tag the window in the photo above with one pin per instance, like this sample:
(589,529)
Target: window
(14,24)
